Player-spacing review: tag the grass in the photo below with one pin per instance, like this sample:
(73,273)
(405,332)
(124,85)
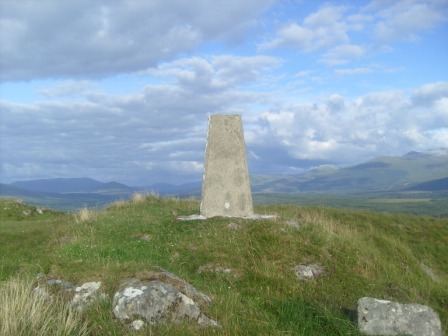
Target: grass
(23,313)
(388,256)
(415,203)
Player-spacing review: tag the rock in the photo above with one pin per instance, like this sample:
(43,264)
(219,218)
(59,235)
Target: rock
(86,294)
(137,325)
(306,272)
(26,212)
(381,317)
(156,302)
(48,288)
(180,284)
(80,297)
(39,211)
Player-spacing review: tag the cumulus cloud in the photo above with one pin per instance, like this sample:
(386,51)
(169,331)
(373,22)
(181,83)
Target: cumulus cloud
(378,123)
(68,88)
(218,73)
(158,131)
(406,19)
(85,39)
(319,30)
(333,31)
(297,114)
(343,54)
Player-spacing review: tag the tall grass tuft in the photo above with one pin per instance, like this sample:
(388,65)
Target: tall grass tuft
(138,198)
(84,215)
(23,314)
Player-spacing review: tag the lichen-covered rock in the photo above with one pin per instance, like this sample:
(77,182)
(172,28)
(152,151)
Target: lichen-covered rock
(86,294)
(137,325)
(156,302)
(47,288)
(307,272)
(80,297)
(381,317)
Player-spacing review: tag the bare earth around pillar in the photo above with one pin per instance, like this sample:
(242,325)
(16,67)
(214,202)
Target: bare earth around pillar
(226,186)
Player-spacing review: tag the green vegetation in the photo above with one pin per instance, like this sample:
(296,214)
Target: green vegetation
(415,203)
(383,255)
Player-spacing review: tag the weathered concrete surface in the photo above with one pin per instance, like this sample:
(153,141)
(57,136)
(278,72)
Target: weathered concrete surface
(381,317)
(226,186)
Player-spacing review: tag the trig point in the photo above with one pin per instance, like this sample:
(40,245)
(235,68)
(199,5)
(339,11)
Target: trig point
(226,187)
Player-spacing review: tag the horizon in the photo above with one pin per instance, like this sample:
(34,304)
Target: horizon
(434,150)
(122,91)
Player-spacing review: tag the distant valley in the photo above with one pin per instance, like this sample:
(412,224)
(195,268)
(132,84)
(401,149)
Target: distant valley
(410,174)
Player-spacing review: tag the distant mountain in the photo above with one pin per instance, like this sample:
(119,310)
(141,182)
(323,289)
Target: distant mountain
(73,193)
(9,190)
(192,188)
(433,185)
(67,193)
(69,185)
(381,174)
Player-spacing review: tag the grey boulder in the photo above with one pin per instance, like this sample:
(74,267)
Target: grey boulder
(381,317)
(156,302)
(307,272)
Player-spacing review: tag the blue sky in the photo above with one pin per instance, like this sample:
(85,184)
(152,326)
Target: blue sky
(122,90)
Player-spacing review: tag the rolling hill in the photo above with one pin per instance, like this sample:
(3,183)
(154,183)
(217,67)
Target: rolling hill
(385,174)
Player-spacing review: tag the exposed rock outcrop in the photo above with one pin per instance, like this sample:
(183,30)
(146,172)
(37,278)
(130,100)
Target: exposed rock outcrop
(158,302)
(381,317)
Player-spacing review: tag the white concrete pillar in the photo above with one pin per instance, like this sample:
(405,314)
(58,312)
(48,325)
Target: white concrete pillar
(226,185)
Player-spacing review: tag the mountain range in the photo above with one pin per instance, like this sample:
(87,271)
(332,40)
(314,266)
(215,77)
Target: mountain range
(410,173)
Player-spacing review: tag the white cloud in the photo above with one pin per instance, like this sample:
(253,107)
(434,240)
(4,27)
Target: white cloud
(378,123)
(343,54)
(81,38)
(217,73)
(163,125)
(343,34)
(353,71)
(68,88)
(322,29)
(405,19)
(154,135)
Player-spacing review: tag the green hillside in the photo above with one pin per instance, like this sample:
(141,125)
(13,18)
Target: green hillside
(394,257)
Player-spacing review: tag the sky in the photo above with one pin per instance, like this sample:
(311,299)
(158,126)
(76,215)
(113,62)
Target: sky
(122,90)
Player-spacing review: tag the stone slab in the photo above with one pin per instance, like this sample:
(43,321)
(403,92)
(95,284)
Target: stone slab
(382,317)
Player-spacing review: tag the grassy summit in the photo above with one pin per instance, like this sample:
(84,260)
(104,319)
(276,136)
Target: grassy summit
(395,257)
